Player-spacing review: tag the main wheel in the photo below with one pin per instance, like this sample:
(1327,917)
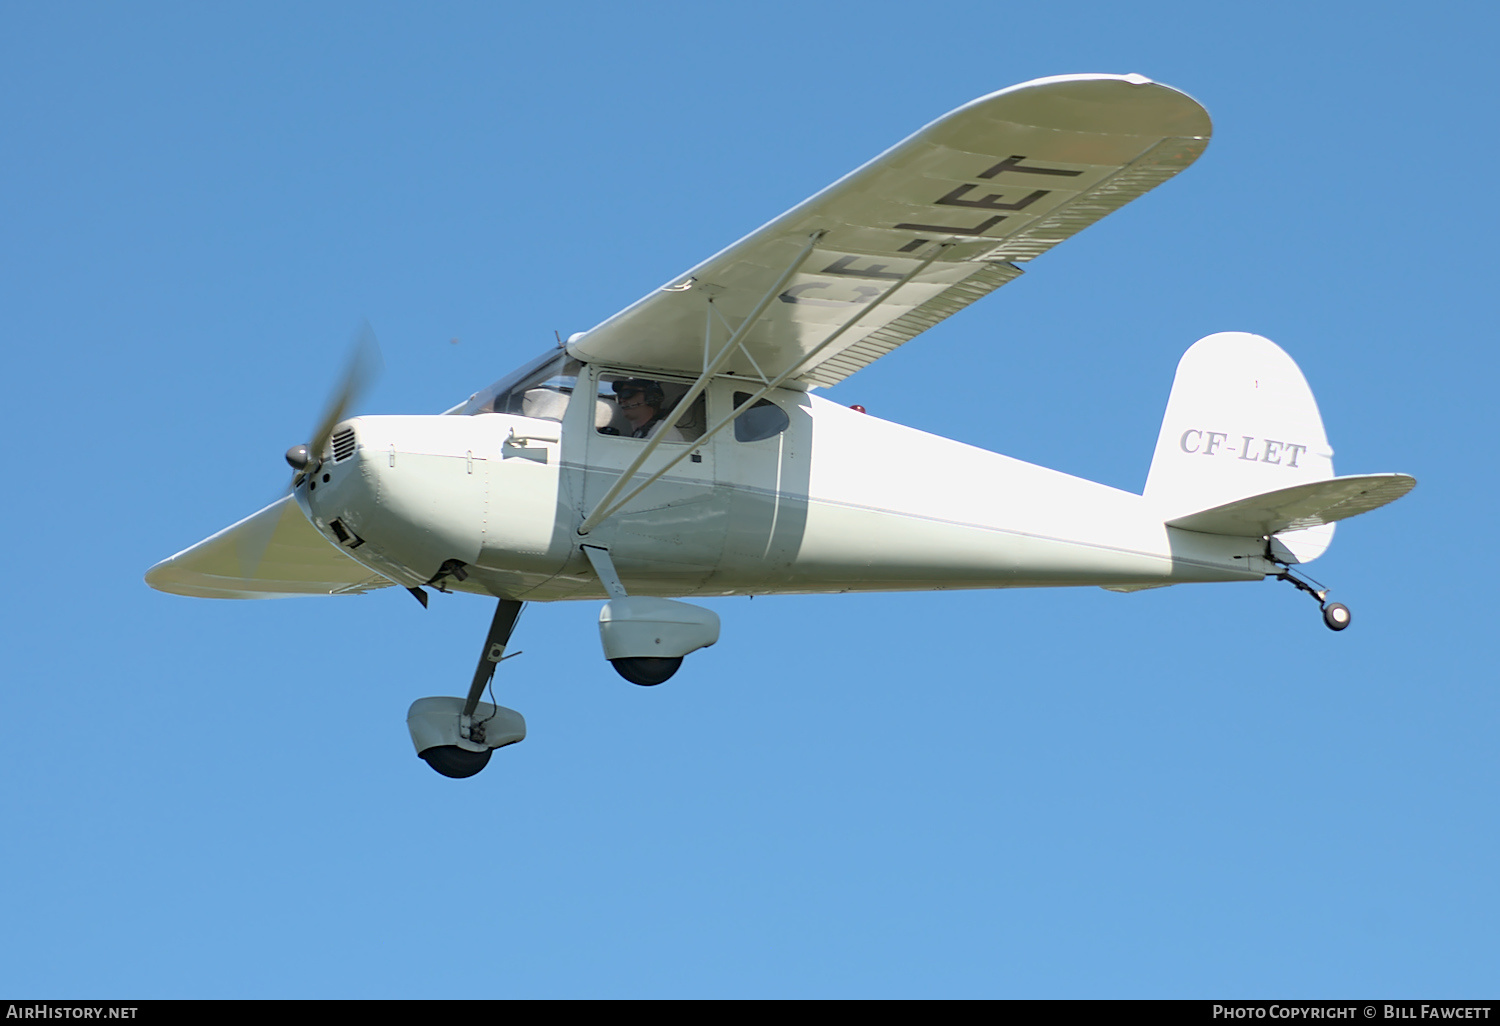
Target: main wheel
(456,762)
(1336,616)
(647,670)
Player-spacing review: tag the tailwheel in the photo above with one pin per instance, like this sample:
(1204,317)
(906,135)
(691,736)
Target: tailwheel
(1336,616)
(647,670)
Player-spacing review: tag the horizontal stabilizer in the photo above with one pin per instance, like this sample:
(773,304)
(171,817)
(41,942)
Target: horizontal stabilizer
(274,553)
(1299,507)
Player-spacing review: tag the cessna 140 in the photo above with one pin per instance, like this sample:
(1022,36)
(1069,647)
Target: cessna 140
(677,449)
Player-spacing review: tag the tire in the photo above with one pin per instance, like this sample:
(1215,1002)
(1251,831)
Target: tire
(1336,616)
(453,761)
(647,671)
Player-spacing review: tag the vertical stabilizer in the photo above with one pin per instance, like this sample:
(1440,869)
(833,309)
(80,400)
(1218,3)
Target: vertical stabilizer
(1241,420)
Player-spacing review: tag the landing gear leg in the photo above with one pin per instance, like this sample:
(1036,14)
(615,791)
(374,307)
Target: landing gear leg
(1336,615)
(501,628)
(481,727)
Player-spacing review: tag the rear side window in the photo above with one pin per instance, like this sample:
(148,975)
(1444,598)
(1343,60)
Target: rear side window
(763,420)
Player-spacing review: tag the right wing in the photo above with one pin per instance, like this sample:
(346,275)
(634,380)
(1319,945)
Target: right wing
(997,181)
(275,553)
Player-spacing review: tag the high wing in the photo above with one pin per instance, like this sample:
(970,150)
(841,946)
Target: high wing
(915,235)
(275,553)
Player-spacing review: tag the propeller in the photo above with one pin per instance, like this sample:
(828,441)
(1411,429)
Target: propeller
(360,371)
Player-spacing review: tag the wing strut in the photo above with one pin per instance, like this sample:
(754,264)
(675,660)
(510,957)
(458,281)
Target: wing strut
(605,509)
(683,404)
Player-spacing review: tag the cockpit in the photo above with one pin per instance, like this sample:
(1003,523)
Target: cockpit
(625,405)
(539,389)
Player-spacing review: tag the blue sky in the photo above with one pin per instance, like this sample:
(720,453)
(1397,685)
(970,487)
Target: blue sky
(1191,792)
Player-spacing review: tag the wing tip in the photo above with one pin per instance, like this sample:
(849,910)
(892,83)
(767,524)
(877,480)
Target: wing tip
(1095,102)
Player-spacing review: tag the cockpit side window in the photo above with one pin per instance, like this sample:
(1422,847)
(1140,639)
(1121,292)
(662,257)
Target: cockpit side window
(539,390)
(636,407)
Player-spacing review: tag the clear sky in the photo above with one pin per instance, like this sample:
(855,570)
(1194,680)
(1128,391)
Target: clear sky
(1196,791)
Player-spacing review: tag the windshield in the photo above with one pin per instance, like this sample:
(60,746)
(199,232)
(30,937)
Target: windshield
(539,389)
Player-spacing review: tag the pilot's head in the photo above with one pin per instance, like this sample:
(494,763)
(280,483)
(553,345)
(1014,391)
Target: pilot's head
(640,400)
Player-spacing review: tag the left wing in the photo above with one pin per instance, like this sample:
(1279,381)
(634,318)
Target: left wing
(274,553)
(915,235)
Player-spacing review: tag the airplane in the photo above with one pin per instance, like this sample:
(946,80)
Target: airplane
(679,449)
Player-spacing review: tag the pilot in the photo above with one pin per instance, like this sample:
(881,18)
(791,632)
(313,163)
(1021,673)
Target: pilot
(642,402)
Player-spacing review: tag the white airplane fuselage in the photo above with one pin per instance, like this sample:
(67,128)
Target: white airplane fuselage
(838,501)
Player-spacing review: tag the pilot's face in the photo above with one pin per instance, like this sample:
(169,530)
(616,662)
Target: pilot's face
(636,409)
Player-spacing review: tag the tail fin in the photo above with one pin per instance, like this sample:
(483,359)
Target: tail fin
(1241,421)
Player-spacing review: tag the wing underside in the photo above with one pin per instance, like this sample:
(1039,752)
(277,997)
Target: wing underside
(960,203)
(274,553)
